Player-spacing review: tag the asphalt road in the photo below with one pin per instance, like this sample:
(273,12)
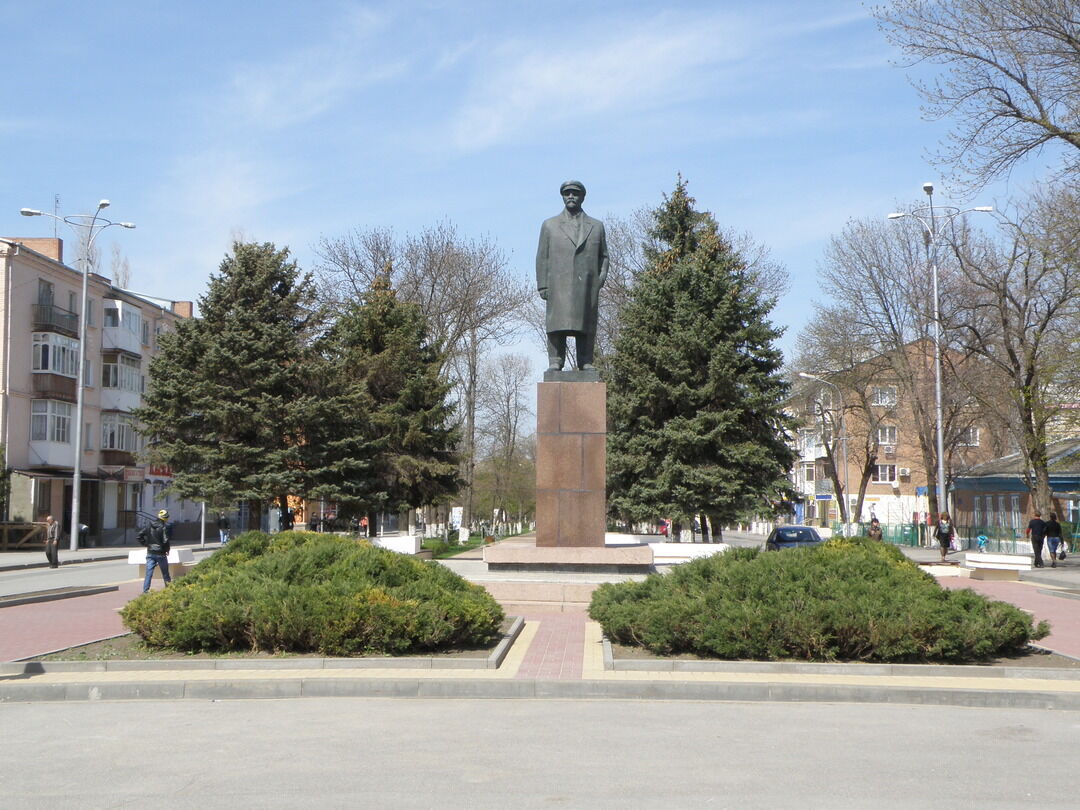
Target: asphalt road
(523,754)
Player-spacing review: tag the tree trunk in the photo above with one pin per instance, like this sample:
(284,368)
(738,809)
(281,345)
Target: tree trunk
(254,517)
(717,529)
(705,536)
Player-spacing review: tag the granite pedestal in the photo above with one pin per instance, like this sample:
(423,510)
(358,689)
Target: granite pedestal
(571,502)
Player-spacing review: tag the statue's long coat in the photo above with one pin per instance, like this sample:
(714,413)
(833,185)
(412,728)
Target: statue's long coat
(572,268)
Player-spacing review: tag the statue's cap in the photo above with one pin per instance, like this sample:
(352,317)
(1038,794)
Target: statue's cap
(572,184)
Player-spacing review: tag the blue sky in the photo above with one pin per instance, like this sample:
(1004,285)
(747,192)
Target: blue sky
(287,122)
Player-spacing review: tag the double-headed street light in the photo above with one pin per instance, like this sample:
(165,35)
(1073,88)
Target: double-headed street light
(931,218)
(845,505)
(86,227)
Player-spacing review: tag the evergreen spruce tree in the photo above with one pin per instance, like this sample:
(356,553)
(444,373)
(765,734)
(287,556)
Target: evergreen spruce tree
(695,407)
(231,392)
(388,442)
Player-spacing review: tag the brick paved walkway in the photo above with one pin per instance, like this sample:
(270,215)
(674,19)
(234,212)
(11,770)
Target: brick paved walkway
(1062,613)
(41,627)
(558,648)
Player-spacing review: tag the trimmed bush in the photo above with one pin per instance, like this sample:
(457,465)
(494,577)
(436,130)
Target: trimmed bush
(304,592)
(851,599)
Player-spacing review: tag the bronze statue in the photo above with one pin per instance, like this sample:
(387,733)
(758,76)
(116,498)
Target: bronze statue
(571,267)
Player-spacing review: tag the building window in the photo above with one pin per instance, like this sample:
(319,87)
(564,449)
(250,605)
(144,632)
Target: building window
(808,439)
(71,302)
(132,321)
(55,354)
(112,316)
(969,437)
(45,292)
(808,473)
(886,434)
(50,421)
(884,473)
(1014,502)
(122,372)
(118,432)
(89,312)
(977,512)
(884,396)
(1001,511)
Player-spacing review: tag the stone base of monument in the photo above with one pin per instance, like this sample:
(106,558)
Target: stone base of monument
(526,579)
(636,559)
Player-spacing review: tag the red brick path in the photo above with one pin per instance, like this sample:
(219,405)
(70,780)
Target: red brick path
(1062,613)
(40,627)
(558,649)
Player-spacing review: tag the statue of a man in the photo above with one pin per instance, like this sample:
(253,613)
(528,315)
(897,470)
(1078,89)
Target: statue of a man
(571,267)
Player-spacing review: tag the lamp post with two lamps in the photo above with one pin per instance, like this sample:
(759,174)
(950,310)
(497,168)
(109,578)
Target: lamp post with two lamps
(845,507)
(931,218)
(86,227)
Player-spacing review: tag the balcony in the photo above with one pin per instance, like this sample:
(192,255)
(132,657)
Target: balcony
(50,318)
(119,338)
(54,386)
(117,458)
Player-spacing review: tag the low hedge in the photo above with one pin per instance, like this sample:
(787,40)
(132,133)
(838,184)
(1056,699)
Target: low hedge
(303,592)
(849,599)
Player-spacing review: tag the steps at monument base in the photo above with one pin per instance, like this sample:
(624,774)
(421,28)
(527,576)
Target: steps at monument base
(517,596)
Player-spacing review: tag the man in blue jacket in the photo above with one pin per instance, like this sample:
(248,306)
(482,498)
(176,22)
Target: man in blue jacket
(157,537)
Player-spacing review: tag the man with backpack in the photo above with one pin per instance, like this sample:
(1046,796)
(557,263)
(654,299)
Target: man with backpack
(157,537)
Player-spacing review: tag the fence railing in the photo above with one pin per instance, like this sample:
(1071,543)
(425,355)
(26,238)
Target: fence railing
(1004,540)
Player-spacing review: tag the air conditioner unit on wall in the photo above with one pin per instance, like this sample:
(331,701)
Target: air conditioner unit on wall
(905,472)
(889,450)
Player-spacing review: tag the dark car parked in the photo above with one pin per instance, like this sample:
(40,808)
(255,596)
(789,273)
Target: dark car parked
(792,537)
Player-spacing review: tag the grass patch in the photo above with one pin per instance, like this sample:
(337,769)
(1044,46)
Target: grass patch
(300,592)
(847,600)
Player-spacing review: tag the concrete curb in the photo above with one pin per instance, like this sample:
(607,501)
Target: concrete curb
(492,661)
(278,688)
(52,596)
(868,670)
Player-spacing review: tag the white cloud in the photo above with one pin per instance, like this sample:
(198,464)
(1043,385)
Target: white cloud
(527,84)
(305,83)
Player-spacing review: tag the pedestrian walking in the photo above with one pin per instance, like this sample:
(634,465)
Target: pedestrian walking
(1036,530)
(157,537)
(223,527)
(1053,539)
(944,533)
(52,541)
(313,524)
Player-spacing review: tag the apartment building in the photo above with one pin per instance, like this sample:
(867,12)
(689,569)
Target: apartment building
(881,426)
(40,298)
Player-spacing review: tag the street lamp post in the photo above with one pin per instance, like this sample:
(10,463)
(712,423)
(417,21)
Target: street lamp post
(86,227)
(931,218)
(845,505)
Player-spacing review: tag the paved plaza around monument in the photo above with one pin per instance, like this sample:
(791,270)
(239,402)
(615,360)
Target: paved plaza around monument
(555,655)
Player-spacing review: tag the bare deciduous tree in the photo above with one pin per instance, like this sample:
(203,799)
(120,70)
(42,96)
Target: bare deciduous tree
(121,268)
(504,421)
(463,286)
(1011,82)
(882,316)
(1020,314)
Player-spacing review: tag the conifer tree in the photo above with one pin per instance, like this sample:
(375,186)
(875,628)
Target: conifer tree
(231,392)
(695,407)
(390,444)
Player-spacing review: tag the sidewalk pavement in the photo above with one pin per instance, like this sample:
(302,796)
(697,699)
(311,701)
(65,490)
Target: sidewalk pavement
(35,558)
(560,655)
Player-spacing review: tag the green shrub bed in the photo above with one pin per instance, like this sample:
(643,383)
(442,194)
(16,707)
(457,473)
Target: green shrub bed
(303,592)
(847,600)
